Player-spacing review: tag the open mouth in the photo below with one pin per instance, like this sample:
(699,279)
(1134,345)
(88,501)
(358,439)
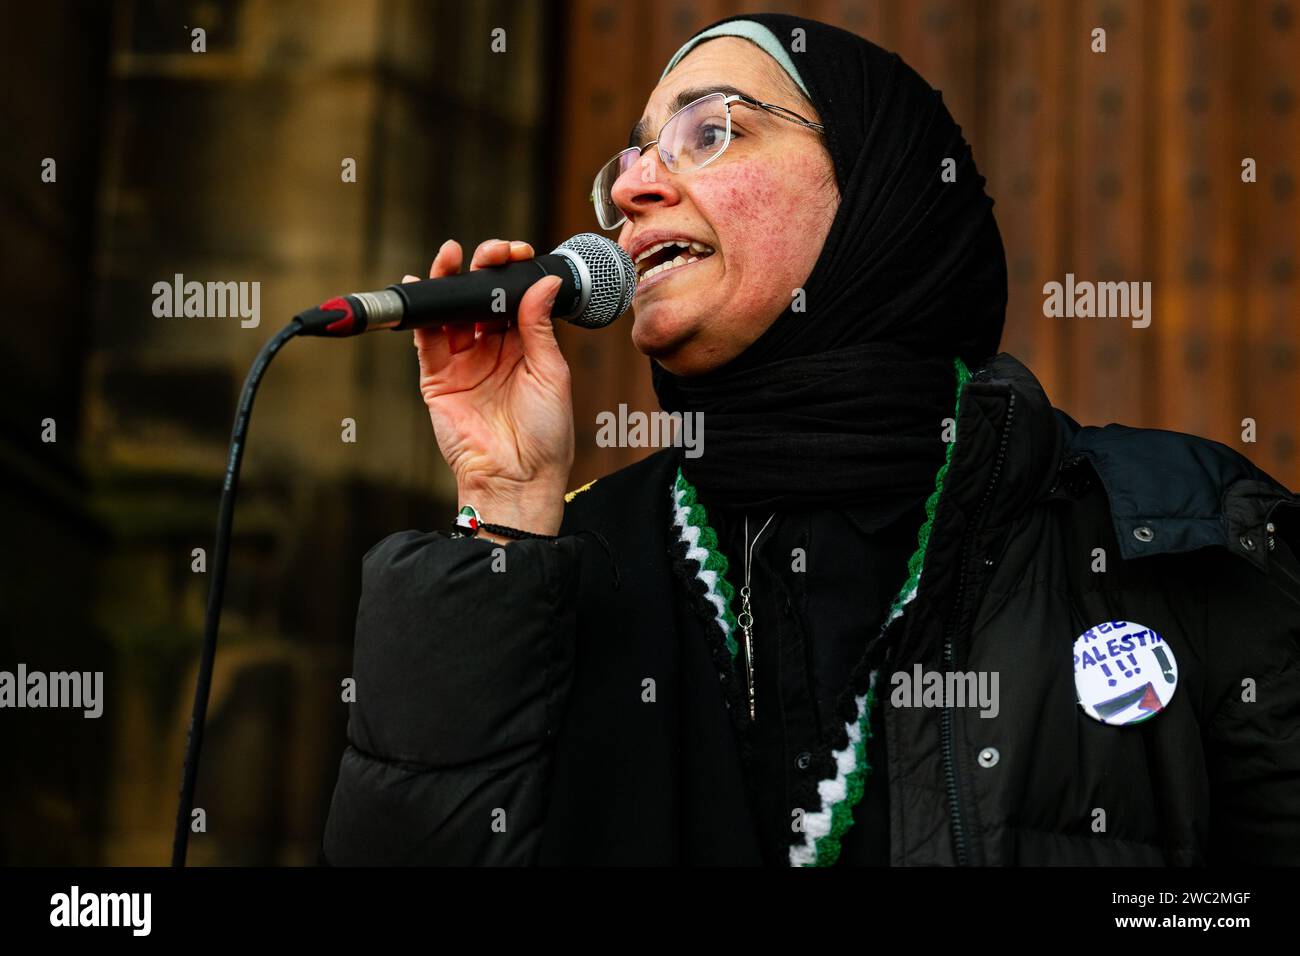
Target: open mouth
(663,256)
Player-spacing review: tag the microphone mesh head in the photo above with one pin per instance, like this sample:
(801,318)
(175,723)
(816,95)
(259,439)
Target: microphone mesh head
(609,281)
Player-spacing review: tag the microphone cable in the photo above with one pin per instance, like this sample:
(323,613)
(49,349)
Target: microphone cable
(220,558)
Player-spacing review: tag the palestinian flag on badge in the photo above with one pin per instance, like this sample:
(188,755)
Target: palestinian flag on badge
(1143,701)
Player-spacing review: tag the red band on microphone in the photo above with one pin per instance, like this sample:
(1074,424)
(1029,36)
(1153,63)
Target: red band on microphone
(344,325)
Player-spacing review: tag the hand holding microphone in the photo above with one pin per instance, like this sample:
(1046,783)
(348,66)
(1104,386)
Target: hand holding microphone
(500,400)
(491,373)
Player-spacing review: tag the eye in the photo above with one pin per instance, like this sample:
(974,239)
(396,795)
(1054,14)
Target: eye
(710,136)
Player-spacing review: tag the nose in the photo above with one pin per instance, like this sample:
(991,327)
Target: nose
(645,184)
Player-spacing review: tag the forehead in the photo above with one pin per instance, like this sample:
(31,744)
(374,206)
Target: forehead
(730,64)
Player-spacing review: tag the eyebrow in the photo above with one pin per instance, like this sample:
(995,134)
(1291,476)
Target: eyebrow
(681,99)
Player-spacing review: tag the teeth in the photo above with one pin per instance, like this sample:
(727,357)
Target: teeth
(690,243)
(665,266)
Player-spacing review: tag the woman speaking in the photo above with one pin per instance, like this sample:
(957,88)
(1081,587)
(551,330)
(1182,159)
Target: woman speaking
(900,611)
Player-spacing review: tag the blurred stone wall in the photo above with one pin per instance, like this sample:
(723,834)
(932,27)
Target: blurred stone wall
(226,166)
(54,764)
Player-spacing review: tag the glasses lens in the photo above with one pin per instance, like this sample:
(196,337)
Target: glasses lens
(602,190)
(696,134)
(693,136)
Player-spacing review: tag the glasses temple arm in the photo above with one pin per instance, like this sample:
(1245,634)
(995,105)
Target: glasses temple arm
(782,112)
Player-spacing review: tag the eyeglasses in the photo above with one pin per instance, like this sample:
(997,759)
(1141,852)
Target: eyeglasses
(693,137)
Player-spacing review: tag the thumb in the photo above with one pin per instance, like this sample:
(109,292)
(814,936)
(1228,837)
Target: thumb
(536,328)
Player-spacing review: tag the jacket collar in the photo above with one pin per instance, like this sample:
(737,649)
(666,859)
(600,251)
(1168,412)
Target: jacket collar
(1016,433)
(1171,492)
(1168,491)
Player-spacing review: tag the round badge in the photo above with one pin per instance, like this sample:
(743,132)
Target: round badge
(1124,672)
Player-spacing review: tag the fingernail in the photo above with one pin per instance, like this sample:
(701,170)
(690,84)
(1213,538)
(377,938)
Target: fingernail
(555,292)
(518,247)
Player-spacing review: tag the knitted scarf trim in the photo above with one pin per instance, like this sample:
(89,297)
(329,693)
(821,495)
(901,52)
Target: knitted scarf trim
(839,764)
(701,568)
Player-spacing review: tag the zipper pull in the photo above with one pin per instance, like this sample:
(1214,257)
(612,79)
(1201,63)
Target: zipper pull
(745,620)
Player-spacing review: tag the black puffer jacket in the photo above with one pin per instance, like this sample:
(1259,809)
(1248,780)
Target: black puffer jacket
(502,715)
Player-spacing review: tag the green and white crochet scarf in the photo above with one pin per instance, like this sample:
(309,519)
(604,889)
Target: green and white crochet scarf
(823,828)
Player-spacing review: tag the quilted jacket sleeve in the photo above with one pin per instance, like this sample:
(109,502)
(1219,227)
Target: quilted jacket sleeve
(462,662)
(1253,736)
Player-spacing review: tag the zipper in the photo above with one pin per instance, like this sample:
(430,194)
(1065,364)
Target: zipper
(1068,463)
(957,621)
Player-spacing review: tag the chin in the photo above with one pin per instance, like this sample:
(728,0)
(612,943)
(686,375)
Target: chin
(661,332)
(682,341)
(678,351)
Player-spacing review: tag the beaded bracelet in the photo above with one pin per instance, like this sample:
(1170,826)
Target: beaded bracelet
(468,520)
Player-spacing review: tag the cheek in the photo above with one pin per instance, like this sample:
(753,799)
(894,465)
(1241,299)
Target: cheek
(768,223)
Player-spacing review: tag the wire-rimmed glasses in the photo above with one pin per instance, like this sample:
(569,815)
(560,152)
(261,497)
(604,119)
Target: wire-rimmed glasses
(693,137)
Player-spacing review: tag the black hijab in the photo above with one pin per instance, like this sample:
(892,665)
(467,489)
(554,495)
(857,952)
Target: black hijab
(842,404)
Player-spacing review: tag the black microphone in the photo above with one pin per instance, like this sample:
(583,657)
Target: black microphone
(598,282)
